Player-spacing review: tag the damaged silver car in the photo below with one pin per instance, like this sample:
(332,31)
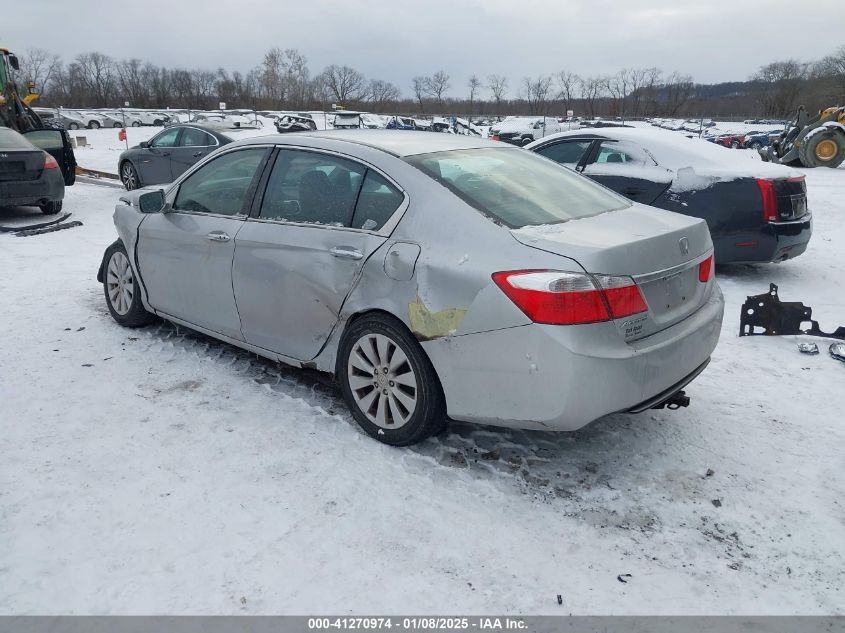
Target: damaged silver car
(436,276)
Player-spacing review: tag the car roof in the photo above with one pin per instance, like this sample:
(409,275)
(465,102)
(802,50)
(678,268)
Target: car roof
(395,142)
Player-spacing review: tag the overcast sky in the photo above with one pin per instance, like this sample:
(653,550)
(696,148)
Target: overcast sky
(712,40)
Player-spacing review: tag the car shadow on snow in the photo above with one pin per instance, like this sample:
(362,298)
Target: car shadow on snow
(582,467)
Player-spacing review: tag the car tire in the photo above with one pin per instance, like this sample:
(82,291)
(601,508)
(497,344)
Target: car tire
(158,123)
(129,176)
(395,399)
(755,145)
(824,149)
(73,126)
(117,124)
(93,125)
(51,208)
(136,124)
(122,290)
(734,145)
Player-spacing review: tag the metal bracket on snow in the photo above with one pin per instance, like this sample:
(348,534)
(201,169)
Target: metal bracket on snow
(774,317)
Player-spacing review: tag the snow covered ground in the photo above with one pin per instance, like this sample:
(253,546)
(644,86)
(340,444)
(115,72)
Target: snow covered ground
(158,471)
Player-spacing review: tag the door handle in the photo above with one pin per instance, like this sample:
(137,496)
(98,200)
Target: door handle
(197,155)
(165,153)
(218,236)
(345,252)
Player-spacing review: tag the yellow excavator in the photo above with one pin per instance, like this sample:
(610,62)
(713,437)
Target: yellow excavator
(817,141)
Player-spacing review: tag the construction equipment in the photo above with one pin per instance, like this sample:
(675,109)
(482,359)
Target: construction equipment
(15,110)
(817,141)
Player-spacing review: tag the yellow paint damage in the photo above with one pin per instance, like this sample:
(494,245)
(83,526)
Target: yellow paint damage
(429,325)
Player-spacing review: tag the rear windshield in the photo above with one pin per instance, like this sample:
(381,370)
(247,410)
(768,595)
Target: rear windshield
(517,187)
(9,139)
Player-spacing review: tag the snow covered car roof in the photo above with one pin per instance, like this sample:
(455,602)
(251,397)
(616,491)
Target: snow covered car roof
(675,152)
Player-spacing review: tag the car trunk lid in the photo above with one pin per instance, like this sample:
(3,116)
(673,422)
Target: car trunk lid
(662,251)
(18,165)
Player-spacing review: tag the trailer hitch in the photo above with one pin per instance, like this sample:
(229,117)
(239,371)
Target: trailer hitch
(774,317)
(675,401)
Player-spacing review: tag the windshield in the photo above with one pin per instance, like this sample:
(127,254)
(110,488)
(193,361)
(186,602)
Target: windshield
(517,187)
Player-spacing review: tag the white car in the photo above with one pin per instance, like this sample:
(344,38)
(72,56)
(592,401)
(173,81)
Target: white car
(91,120)
(524,130)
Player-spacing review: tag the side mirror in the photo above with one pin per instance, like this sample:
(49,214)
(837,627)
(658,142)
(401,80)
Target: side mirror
(151,201)
(144,144)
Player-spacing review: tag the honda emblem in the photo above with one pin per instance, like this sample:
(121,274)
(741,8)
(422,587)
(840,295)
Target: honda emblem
(683,244)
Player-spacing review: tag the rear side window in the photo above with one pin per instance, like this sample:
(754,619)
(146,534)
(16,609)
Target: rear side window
(313,188)
(516,187)
(221,185)
(192,137)
(567,153)
(9,139)
(377,201)
(623,152)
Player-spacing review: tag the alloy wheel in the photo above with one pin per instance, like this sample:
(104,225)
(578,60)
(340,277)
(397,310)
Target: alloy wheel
(382,380)
(127,175)
(120,283)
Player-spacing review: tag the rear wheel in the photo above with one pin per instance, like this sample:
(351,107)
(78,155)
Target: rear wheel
(129,177)
(823,149)
(93,125)
(136,124)
(389,383)
(117,124)
(73,126)
(51,208)
(123,294)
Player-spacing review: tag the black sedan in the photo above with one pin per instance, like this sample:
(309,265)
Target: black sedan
(34,168)
(757,212)
(167,155)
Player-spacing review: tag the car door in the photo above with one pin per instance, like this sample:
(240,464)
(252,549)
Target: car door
(299,255)
(57,144)
(628,169)
(154,160)
(194,145)
(185,253)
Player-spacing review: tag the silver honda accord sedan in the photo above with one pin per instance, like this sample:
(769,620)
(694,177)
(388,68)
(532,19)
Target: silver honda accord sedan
(435,276)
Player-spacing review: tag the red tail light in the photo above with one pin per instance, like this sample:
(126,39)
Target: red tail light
(770,199)
(563,298)
(705,270)
(50,162)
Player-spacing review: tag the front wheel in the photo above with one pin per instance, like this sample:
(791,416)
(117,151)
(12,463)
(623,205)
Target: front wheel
(122,290)
(73,126)
(129,177)
(93,125)
(389,383)
(823,149)
(136,124)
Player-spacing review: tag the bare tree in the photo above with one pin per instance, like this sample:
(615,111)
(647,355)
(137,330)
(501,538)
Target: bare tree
(568,85)
(437,85)
(474,85)
(97,73)
(420,87)
(498,88)
(832,69)
(382,92)
(779,86)
(592,89)
(345,84)
(131,83)
(39,67)
(537,91)
(678,90)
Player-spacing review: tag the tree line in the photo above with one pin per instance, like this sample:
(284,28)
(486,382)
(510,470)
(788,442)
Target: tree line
(284,81)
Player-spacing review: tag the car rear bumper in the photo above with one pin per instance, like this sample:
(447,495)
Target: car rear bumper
(32,192)
(774,242)
(562,378)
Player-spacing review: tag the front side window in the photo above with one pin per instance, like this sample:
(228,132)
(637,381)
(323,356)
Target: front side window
(516,187)
(567,153)
(220,186)
(166,138)
(192,137)
(313,188)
